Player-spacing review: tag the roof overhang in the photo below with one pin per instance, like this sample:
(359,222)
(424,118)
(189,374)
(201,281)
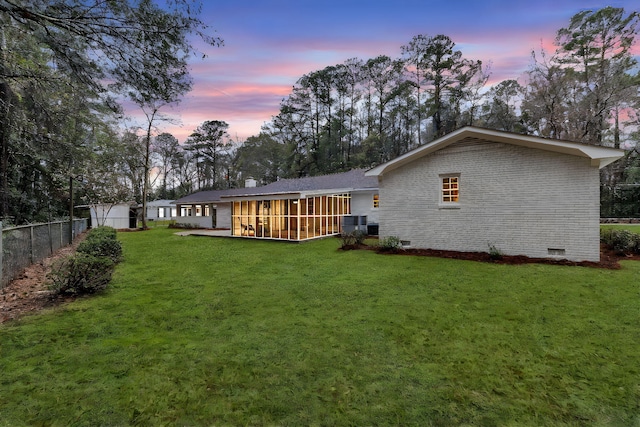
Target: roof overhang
(261,196)
(197,202)
(599,156)
(285,195)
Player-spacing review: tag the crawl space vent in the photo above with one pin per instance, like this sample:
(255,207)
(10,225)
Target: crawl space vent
(552,251)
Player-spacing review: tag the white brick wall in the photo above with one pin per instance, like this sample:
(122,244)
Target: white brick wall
(223,215)
(362,204)
(523,201)
(196,221)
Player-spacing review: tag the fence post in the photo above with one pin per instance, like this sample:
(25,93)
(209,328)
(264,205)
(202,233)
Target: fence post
(70,210)
(1,252)
(32,251)
(50,238)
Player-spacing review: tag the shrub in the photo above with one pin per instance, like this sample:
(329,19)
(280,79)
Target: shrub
(353,238)
(390,244)
(183,225)
(102,242)
(102,232)
(89,270)
(80,274)
(101,247)
(621,241)
(494,252)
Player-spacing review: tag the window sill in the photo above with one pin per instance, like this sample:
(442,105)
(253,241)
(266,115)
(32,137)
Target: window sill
(449,205)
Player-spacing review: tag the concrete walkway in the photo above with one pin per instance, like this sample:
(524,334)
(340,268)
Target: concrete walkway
(210,233)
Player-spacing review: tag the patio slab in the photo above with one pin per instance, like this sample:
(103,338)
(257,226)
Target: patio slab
(210,233)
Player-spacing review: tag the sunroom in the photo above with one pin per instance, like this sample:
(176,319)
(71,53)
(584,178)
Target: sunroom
(291,216)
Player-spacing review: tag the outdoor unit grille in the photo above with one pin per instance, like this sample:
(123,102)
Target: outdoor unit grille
(352,223)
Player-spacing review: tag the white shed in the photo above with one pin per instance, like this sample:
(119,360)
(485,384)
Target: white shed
(118,216)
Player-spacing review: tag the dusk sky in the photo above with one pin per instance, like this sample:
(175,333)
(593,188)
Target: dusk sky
(269,45)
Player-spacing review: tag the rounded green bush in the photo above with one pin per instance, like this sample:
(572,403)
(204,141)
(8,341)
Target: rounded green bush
(89,269)
(102,232)
(390,244)
(80,274)
(622,241)
(111,249)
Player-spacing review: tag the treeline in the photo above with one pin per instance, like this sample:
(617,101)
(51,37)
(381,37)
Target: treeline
(364,112)
(355,114)
(65,68)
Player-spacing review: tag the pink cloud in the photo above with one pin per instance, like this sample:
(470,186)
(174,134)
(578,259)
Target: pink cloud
(267,50)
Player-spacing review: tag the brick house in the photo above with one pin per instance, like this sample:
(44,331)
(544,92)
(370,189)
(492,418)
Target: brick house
(475,188)
(288,209)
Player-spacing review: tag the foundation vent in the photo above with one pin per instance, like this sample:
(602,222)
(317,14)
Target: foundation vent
(556,252)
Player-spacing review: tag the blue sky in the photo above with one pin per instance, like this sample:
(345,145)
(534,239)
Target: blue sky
(270,44)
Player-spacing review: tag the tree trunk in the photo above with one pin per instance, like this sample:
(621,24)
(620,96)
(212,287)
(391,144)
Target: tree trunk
(147,167)
(5,97)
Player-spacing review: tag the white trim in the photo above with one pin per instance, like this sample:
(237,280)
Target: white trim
(443,204)
(288,195)
(600,156)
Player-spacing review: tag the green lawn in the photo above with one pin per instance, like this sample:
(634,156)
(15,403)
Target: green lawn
(631,227)
(205,331)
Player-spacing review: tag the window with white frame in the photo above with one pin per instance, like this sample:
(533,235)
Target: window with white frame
(450,188)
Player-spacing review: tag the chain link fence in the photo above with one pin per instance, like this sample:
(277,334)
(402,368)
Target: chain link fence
(25,245)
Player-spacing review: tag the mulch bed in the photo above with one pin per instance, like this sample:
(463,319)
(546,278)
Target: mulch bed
(608,258)
(29,292)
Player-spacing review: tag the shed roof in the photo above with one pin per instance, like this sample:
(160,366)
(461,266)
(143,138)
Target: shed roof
(600,156)
(353,180)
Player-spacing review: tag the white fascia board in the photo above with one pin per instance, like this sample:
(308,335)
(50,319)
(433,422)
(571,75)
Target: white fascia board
(197,202)
(365,189)
(289,195)
(330,192)
(262,196)
(600,156)
(604,161)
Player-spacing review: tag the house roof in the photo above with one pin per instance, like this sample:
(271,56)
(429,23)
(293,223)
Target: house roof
(157,203)
(208,196)
(600,156)
(353,180)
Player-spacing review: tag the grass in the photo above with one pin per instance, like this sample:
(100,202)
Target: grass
(203,331)
(631,227)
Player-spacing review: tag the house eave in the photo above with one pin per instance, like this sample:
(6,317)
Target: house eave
(600,156)
(262,196)
(196,202)
(286,195)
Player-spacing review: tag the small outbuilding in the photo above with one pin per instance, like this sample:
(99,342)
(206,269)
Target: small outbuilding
(116,215)
(477,190)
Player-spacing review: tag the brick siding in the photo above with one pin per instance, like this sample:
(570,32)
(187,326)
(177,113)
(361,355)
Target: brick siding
(521,200)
